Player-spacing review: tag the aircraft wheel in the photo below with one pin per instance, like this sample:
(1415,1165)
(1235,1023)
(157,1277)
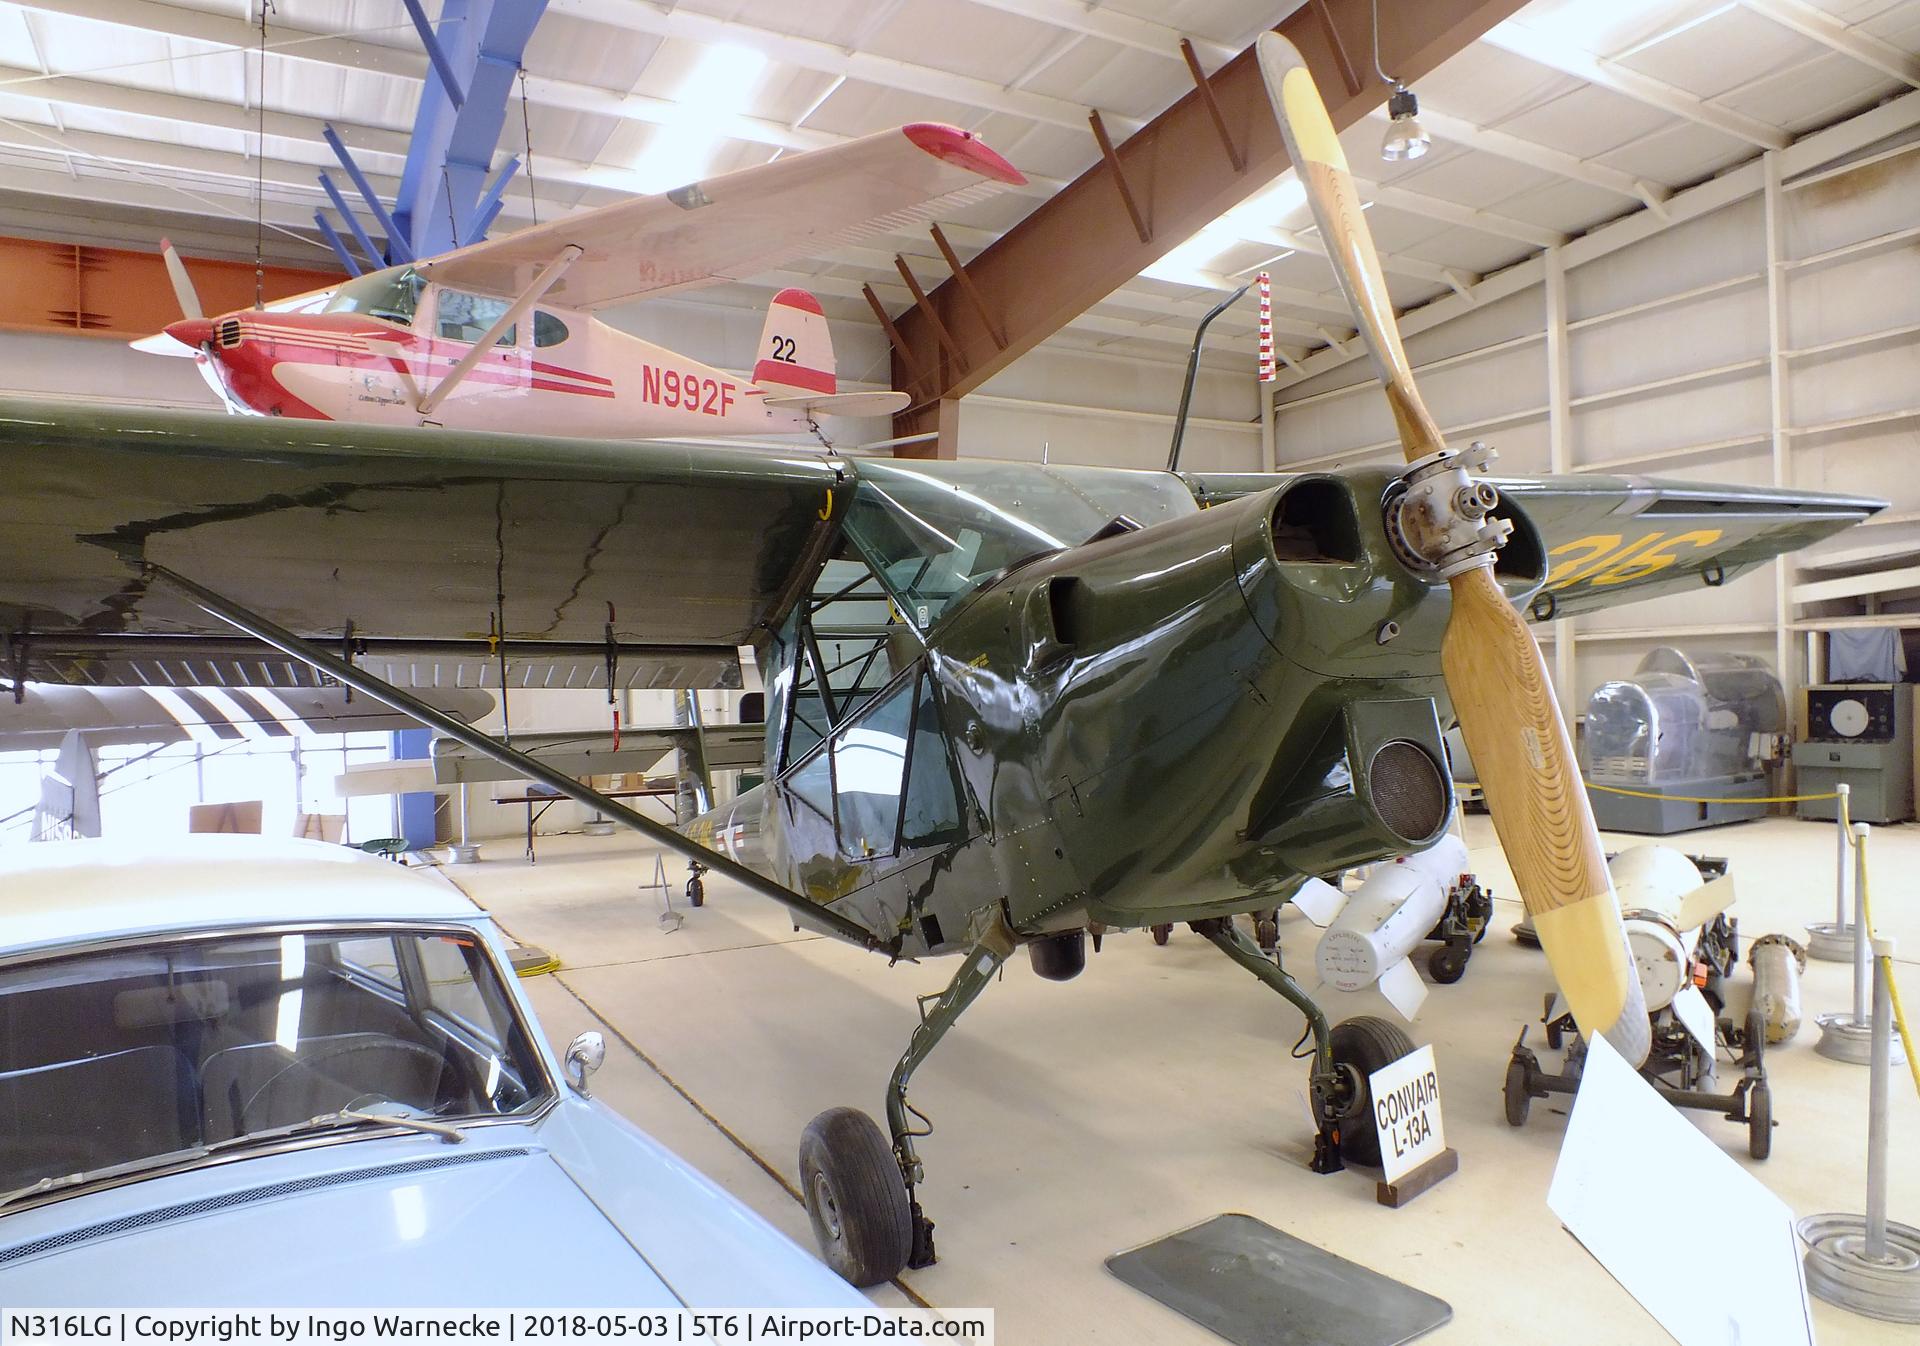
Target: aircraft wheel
(1365,1043)
(1448,964)
(855,1197)
(1760,1120)
(696,893)
(1162,933)
(1519,1101)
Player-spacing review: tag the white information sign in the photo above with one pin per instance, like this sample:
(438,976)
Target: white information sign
(1406,1113)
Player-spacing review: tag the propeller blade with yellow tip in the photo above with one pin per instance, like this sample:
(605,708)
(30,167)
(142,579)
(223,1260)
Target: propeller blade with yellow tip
(1495,675)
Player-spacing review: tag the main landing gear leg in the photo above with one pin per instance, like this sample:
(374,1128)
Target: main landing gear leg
(859,1192)
(1333,1088)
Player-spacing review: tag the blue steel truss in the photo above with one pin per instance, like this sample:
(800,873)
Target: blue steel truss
(446,197)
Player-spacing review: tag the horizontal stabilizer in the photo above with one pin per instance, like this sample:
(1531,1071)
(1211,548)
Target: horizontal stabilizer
(842,404)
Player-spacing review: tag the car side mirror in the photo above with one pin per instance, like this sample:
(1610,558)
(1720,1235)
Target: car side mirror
(584,1056)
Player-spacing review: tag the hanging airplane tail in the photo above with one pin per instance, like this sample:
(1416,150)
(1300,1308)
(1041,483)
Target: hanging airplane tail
(796,364)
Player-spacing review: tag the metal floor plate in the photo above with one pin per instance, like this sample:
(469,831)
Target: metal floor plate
(1253,1285)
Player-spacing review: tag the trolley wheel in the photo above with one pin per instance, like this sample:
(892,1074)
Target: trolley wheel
(1448,965)
(1162,933)
(1519,1100)
(1552,1024)
(1365,1043)
(1266,933)
(1760,1120)
(696,893)
(855,1197)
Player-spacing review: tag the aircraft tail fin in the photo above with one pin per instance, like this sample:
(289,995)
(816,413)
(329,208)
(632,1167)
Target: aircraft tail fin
(796,363)
(796,351)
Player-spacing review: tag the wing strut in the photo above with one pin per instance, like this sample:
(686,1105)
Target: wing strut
(804,909)
(546,280)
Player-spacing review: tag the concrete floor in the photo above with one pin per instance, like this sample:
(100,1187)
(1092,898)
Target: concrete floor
(1155,1091)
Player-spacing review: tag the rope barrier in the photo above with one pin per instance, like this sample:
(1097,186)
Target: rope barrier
(1886,964)
(1706,799)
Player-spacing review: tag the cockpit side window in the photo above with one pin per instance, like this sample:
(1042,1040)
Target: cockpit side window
(547,329)
(466,317)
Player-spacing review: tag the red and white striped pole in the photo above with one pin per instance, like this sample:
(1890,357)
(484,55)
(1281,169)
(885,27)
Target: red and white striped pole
(1267,371)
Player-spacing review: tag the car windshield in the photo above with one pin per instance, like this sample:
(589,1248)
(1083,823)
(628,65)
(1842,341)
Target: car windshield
(137,1053)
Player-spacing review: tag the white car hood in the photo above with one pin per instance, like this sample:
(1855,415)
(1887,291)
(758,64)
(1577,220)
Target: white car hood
(433,1225)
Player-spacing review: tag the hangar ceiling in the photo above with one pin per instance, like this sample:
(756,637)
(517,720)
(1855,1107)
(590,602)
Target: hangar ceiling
(1569,114)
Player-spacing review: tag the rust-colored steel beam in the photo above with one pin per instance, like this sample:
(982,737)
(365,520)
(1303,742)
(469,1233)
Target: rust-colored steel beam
(1205,90)
(1076,249)
(117,292)
(925,307)
(1119,171)
(1348,74)
(902,351)
(967,288)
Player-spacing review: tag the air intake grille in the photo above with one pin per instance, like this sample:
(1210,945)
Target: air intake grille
(245,1197)
(1408,790)
(228,333)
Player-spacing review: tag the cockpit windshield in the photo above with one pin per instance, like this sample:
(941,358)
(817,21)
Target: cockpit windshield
(392,294)
(934,536)
(153,1055)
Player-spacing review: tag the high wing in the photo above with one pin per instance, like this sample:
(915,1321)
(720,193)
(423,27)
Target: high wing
(640,564)
(740,224)
(176,714)
(400,545)
(1612,540)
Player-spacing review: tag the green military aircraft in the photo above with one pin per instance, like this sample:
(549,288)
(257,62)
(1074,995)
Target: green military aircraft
(1006,703)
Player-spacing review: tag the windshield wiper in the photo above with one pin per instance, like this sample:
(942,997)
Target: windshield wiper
(453,1135)
(132,1166)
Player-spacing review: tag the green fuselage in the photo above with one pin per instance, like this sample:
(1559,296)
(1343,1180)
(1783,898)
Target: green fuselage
(1170,723)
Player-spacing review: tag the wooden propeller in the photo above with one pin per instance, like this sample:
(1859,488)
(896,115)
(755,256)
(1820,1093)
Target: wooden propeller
(1495,675)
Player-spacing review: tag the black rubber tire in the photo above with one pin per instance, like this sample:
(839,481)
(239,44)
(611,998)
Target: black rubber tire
(1365,1042)
(1266,933)
(1517,1097)
(1759,1120)
(1162,933)
(696,893)
(1447,964)
(855,1197)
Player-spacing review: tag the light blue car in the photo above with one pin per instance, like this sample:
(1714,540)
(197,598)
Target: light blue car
(245,1072)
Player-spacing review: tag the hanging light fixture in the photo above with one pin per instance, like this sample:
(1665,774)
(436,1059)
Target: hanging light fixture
(1406,138)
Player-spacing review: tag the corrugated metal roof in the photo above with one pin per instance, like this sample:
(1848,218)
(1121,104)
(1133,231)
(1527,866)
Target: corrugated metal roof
(147,111)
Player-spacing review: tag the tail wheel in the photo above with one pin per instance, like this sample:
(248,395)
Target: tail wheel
(1266,933)
(855,1197)
(1519,1100)
(696,893)
(1365,1043)
(1162,933)
(1760,1120)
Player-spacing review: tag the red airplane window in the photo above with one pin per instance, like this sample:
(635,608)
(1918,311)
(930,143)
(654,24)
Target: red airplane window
(547,329)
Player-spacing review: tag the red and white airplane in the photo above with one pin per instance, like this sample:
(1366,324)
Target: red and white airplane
(500,335)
